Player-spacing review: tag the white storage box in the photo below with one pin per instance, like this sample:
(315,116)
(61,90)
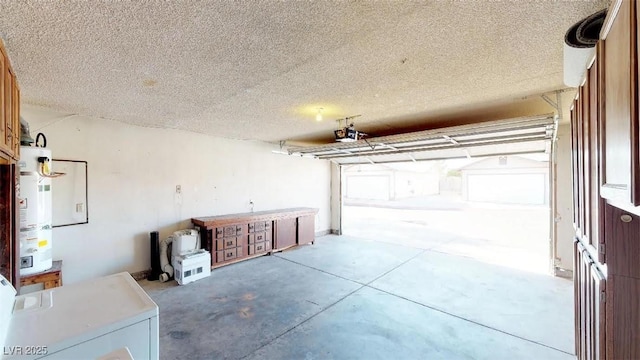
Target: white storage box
(191,267)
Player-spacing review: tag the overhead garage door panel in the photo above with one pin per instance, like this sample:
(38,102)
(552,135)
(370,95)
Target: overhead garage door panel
(480,151)
(504,137)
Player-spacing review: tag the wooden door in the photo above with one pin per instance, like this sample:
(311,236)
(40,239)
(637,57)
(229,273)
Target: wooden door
(285,233)
(620,123)
(585,304)
(585,157)
(580,169)
(306,229)
(15,111)
(3,114)
(623,284)
(598,284)
(577,296)
(596,204)
(574,164)
(8,102)
(623,318)
(623,242)
(9,223)
(589,292)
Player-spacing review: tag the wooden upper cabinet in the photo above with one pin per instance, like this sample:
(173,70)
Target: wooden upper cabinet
(586,159)
(574,162)
(620,181)
(15,111)
(4,69)
(9,108)
(596,203)
(8,102)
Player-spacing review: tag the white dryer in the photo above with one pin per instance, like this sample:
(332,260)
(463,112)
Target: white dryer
(79,321)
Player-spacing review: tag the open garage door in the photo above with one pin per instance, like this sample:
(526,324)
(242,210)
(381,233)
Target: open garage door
(504,137)
(480,190)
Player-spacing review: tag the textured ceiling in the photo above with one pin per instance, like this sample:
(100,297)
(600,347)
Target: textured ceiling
(259,69)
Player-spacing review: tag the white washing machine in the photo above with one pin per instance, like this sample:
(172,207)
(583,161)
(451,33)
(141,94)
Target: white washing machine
(79,321)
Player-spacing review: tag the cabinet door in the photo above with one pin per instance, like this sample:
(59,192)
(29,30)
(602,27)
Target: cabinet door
(585,156)
(577,296)
(620,123)
(306,229)
(575,165)
(623,318)
(285,233)
(596,202)
(586,300)
(589,289)
(6,207)
(622,242)
(8,102)
(598,324)
(15,111)
(3,111)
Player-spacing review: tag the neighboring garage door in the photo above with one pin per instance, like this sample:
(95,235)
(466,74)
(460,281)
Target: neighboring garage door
(368,187)
(507,188)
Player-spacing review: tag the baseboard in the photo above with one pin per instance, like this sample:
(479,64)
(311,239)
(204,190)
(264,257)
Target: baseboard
(563,273)
(140,275)
(335,232)
(323,232)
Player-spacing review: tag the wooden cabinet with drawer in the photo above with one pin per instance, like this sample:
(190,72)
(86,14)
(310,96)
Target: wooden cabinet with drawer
(235,237)
(260,237)
(229,244)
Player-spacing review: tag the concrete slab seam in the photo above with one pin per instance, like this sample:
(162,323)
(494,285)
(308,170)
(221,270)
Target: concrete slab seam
(368,284)
(332,304)
(320,270)
(302,322)
(468,320)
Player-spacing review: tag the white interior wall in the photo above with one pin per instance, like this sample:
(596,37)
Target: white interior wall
(563,252)
(336,199)
(132,176)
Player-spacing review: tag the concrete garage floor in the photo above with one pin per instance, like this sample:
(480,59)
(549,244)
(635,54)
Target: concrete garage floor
(352,298)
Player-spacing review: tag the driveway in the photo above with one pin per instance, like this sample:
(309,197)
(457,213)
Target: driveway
(509,235)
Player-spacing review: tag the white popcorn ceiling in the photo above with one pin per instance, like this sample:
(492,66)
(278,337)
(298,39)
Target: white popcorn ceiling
(258,69)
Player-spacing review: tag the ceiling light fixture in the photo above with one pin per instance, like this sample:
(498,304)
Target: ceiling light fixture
(319,114)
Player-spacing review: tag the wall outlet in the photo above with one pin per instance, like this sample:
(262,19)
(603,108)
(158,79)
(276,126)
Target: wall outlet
(178,189)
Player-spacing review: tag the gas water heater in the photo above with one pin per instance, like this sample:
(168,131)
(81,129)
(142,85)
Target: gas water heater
(35,210)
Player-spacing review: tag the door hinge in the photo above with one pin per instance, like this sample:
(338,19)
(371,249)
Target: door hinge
(603,296)
(601,248)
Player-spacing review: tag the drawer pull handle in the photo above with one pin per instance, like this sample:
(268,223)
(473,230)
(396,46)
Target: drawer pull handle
(626,218)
